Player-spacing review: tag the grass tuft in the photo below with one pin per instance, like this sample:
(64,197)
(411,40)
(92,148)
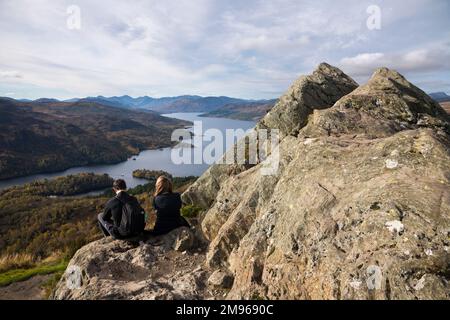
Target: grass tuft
(191,211)
(17,261)
(16,275)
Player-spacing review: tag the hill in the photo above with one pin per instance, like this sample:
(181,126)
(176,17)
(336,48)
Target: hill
(250,111)
(50,136)
(41,219)
(42,224)
(185,103)
(47,217)
(440,96)
(446,106)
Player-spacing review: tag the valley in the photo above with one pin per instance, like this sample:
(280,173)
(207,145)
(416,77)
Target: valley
(152,159)
(43,223)
(44,220)
(40,137)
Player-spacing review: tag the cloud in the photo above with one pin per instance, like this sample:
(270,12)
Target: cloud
(10,74)
(251,49)
(434,58)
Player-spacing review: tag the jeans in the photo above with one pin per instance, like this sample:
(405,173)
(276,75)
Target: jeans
(107,228)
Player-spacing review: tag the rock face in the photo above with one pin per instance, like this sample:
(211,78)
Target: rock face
(320,90)
(359,208)
(156,269)
(387,104)
(221,279)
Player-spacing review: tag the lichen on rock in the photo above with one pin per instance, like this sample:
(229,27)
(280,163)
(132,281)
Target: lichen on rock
(158,268)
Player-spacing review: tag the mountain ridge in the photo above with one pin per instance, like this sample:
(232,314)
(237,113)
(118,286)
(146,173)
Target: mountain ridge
(173,103)
(183,103)
(252,111)
(440,96)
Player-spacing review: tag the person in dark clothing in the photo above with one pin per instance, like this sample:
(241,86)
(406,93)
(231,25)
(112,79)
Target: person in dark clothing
(167,205)
(110,219)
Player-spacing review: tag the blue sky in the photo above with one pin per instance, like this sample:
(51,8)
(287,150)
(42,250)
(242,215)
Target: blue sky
(248,49)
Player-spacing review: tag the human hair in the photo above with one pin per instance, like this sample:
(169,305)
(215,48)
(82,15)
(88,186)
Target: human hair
(120,184)
(163,185)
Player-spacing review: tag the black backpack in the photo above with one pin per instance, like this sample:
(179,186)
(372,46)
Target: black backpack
(133,217)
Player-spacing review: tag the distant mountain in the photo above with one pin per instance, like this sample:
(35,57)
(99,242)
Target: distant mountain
(440,96)
(45,100)
(251,111)
(49,136)
(104,101)
(70,100)
(185,103)
(191,104)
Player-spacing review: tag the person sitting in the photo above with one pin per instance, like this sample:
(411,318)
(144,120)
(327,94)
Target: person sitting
(167,205)
(123,216)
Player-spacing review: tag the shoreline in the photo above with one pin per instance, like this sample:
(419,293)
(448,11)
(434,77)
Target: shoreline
(129,156)
(144,160)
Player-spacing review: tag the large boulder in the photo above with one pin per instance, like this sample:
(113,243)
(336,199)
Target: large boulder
(387,104)
(152,269)
(360,205)
(319,90)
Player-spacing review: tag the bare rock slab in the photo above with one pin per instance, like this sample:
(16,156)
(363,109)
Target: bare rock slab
(221,280)
(154,269)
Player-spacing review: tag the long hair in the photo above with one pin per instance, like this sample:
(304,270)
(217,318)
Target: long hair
(163,185)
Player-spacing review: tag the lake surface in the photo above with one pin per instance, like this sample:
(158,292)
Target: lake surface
(150,159)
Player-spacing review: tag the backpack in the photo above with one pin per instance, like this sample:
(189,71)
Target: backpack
(133,217)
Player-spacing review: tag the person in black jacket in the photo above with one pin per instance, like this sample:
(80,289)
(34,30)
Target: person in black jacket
(167,205)
(110,219)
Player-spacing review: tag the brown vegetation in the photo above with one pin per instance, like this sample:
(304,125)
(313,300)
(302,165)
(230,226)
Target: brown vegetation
(446,106)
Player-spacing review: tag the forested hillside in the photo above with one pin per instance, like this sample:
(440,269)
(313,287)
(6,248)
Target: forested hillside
(51,136)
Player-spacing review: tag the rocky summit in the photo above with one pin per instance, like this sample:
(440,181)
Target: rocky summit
(358,209)
(165,267)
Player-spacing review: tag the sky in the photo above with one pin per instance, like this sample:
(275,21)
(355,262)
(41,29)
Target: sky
(250,49)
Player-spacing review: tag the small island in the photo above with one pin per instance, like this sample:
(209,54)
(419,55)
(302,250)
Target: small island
(150,175)
(63,186)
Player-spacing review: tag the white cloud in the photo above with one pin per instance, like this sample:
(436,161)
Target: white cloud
(252,49)
(10,74)
(434,58)
(363,61)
